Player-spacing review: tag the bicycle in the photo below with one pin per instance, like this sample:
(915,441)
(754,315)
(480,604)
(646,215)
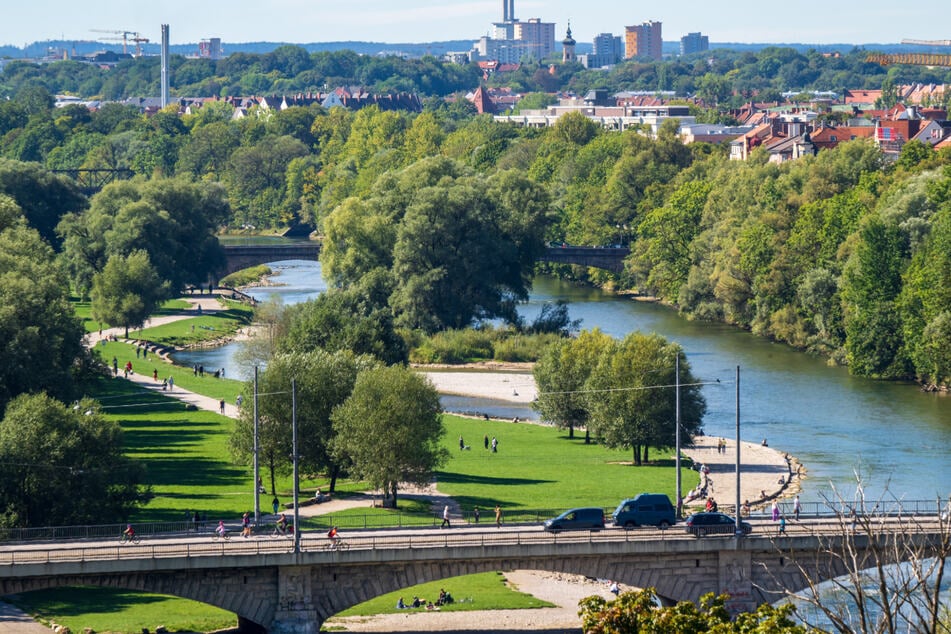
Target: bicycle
(287,532)
(134,538)
(222,536)
(337,544)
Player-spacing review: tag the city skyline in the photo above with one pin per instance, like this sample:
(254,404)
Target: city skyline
(411,21)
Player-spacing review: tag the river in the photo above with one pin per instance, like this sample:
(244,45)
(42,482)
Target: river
(837,425)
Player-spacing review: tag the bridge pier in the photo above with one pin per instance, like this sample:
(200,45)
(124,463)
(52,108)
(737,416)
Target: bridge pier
(296,613)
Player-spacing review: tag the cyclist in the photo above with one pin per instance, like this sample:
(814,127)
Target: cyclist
(221,530)
(129,533)
(282,524)
(334,537)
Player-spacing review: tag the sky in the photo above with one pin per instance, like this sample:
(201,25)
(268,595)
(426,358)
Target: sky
(306,21)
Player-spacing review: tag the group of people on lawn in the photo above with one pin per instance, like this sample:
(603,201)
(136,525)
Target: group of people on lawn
(444,599)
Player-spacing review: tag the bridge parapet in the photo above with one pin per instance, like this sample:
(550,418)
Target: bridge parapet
(608,258)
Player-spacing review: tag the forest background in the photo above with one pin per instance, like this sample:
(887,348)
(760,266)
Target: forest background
(844,253)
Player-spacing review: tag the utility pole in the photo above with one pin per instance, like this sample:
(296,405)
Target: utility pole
(739,529)
(257,468)
(296,474)
(680,498)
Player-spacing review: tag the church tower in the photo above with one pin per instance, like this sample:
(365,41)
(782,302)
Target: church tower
(568,47)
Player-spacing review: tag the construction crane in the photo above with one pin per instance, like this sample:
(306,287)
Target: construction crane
(927,42)
(915,59)
(123,36)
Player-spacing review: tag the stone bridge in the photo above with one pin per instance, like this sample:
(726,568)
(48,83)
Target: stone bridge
(270,587)
(243,256)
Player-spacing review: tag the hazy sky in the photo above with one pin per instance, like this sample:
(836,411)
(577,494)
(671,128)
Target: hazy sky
(303,21)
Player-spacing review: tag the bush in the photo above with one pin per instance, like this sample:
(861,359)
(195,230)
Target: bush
(246,276)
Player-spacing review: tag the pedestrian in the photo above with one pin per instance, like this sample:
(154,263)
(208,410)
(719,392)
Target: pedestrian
(445,517)
(275,504)
(475,514)
(485,441)
(195,520)
(222,373)
(145,353)
(498,516)
(115,367)
(128,368)
(614,588)
(221,405)
(775,511)
(138,351)
(171,383)
(462,444)
(495,445)
(797,508)
(155,375)
(246,525)
(195,369)
(782,525)
(201,370)
(239,400)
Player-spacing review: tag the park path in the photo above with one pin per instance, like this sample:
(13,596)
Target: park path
(208,304)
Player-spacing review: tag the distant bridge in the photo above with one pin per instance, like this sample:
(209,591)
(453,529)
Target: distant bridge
(271,587)
(91,181)
(244,256)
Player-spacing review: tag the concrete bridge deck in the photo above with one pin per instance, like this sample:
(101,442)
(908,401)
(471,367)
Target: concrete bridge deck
(270,585)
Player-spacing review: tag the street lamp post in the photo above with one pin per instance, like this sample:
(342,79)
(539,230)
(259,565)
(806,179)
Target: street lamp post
(257,472)
(677,435)
(739,530)
(296,473)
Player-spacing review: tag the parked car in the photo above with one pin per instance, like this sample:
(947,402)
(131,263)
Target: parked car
(703,524)
(646,509)
(577,519)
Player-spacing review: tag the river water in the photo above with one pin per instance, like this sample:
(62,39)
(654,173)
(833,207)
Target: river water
(891,434)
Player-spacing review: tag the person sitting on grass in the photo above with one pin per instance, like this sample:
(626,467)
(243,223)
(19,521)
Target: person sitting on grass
(400,605)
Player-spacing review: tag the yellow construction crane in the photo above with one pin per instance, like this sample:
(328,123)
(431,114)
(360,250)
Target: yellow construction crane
(123,36)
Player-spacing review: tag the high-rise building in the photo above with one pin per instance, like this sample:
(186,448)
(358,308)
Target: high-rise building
(512,40)
(694,43)
(643,40)
(608,50)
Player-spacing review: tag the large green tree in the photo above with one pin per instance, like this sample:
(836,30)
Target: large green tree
(43,196)
(40,338)
(390,429)
(632,399)
(127,291)
(64,465)
(323,380)
(561,374)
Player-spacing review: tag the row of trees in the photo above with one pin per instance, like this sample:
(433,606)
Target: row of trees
(720,76)
(622,391)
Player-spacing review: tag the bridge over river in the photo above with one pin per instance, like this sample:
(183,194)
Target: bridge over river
(274,585)
(243,256)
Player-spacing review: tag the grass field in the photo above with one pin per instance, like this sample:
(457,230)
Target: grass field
(83,310)
(536,468)
(483,591)
(116,610)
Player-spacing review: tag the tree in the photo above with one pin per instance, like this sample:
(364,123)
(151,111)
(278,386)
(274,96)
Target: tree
(631,397)
(40,337)
(64,465)
(356,319)
(43,196)
(561,374)
(323,381)
(127,291)
(390,429)
(638,611)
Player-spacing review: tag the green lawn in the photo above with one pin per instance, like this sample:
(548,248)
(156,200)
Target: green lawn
(83,310)
(116,610)
(199,329)
(483,591)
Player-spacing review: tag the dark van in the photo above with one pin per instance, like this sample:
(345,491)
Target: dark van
(646,509)
(577,519)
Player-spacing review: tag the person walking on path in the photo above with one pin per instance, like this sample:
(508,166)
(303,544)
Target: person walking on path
(445,517)
(797,508)
(485,441)
(221,406)
(171,383)
(782,525)
(775,511)
(498,516)
(495,444)
(155,375)
(246,525)
(475,514)
(115,367)
(275,504)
